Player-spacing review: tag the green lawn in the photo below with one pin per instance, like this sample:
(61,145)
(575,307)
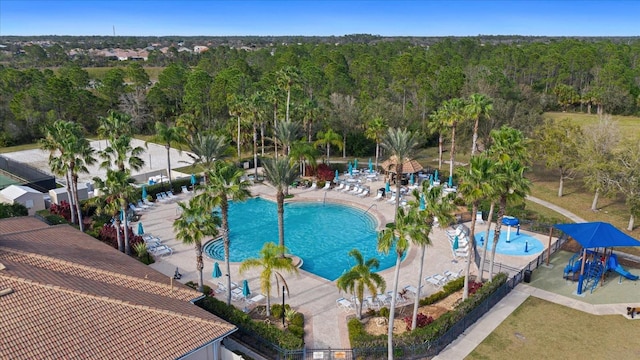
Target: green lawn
(543,330)
(629,125)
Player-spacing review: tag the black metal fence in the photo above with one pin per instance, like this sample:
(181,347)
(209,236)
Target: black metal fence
(424,350)
(34,178)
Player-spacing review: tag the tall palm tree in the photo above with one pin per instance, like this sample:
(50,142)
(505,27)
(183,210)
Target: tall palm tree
(286,78)
(479,106)
(116,192)
(359,277)
(437,126)
(168,135)
(473,184)
(395,234)
(310,110)
(402,145)
(280,173)
(114,125)
(225,183)
(453,114)
(436,206)
(272,266)
(272,95)
(69,153)
(238,107)
(328,138)
(304,152)
(193,225)
(206,149)
(374,131)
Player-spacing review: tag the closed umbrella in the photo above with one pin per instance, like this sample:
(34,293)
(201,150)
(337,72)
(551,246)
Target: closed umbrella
(435,176)
(387,188)
(422,204)
(450,181)
(140,229)
(245,288)
(122,215)
(355,163)
(337,176)
(350,170)
(411,179)
(216,270)
(455,243)
(370,166)
(193,180)
(144,192)
(431,181)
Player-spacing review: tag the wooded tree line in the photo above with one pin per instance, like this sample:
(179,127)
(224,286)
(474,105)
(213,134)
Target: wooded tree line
(327,86)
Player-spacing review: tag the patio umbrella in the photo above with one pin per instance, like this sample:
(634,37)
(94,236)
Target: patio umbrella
(350,170)
(435,176)
(121,214)
(408,166)
(387,188)
(193,180)
(455,243)
(355,163)
(370,166)
(337,176)
(450,181)
(144,192)
(411,179)
(431,181)
(422,204)
(216,270)
(140,229)
(245,288)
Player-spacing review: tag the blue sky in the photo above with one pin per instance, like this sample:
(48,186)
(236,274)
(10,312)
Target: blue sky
(328,17)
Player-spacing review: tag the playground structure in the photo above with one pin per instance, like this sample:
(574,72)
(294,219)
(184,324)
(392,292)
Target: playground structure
(595,269)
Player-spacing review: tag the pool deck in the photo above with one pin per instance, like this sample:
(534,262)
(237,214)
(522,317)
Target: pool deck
(315,297)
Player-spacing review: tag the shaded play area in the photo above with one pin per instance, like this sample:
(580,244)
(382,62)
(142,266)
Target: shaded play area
(593,274)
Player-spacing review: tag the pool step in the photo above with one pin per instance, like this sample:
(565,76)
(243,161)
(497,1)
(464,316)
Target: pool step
(215,249)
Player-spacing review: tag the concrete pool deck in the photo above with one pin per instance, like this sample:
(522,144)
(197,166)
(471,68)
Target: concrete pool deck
(315,297)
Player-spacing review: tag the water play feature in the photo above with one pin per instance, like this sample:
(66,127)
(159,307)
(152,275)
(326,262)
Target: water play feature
(519,243)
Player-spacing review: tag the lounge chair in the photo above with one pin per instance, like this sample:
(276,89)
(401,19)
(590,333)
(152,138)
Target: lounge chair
(161,197)
(256,299)
(314,186)
(162,250)
(356,190)
(143,206)
(372,302)
(392,199)
(185,190)
(135,208)
(339,187)
(365,193)
(221,288)
(344,304)
(237,295)
(436,280)
(346,188)
(148,203)
(410,289)
(327,186)
(452,275)
(171,196)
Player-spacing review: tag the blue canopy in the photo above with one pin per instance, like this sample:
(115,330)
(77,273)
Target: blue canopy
(597,234)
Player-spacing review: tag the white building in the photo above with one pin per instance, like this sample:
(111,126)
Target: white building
(30,198)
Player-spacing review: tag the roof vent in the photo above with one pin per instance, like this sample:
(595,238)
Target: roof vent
(6,291)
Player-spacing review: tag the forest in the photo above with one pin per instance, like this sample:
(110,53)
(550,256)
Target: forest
(340,86)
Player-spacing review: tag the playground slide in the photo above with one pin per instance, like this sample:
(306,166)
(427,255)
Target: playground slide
(620,270)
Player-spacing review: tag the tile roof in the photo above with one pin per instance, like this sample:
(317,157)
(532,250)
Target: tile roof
(62,306)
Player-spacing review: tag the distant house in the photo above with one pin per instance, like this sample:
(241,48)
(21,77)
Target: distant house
(198,49)
(17,194)
(59,195)
(66,295)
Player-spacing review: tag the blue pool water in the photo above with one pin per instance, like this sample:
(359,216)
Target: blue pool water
(321,234)
(516,245)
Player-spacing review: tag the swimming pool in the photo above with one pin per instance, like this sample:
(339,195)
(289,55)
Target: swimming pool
(321,234)
(517,243)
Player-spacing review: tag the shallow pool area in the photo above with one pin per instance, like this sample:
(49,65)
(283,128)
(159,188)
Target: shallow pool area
(518,245)
(320,234)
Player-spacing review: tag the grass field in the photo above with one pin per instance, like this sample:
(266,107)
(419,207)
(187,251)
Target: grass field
(629,125)
(543,330)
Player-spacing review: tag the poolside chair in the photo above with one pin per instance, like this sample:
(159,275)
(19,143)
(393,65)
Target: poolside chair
(162,250)
(221,288)
(356,190)
(411,290)
(314,186)
(143,206)
(256,299)
(452,275)
(433,281)
(327,186)
(171,196)
(148,203)
(372,302)
(135,208)
(339,187)
(379,196)
(365,193)
(479,219)
(392,199)
(237,295)
(185,190)
(346,188)
(344,304)
(161,198)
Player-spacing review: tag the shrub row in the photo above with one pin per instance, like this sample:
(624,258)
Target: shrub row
(284,339)
(359,338)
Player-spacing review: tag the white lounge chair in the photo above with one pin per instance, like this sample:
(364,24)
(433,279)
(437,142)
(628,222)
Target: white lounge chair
(314,186)
(344,304)
(436,280)
(327,186)
(346,188)
(365,193)
(379,196)
(392,199)
(185,190)
(256,299)
(162,250)
(237,295)
(339,187)
(171,196)
(161,197)
(356,190)
(148,203)
(135,208)
(143,206)
(452,275)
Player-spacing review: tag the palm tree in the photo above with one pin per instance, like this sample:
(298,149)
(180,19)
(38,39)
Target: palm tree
(359,277)
(272,266)
(280,173)
(69,153)
(438,126)
(114,125)
(327,139)
(272,95)
(193,225)
(117,192)
(402,145)
(168,135)
(287,132)
(310,110)
(421,223)
(479,106)
(395,234)
(304,151)
(225,183)
(474,183)
(286,78)
(375,130)
(453,114)
(238,107)
(206,149)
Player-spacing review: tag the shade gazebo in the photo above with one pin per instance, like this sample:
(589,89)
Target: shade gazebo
(409,166)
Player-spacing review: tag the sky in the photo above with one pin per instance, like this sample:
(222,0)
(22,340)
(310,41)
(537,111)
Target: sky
(320,18)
